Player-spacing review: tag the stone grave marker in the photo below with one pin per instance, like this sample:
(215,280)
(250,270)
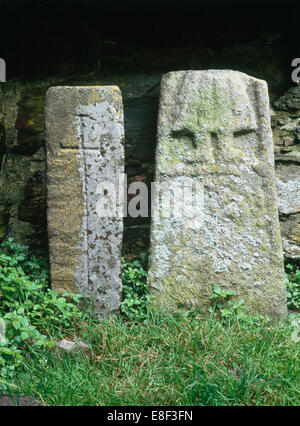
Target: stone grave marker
(85,147)
(214,136)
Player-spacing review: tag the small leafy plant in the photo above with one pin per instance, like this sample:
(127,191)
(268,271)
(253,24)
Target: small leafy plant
(220,297)
(231,311)
(136,300)
(293,287)
(32,312)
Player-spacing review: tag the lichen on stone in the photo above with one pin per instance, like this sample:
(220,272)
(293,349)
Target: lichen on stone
(214,127)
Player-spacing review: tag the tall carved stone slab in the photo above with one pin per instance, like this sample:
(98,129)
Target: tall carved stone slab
(85,147)
(214,131)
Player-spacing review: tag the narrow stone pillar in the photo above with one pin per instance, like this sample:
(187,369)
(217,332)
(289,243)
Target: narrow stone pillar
(85,148)
(214,137)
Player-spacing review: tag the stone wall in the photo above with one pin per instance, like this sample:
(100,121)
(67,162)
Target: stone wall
(136,67)
(286,133)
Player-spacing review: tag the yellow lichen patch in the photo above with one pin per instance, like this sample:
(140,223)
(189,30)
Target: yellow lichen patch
(64,286)
(295,233)
(66,214)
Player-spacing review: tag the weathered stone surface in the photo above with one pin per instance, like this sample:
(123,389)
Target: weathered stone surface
(288,188)
(290,232)
(290,101)
(214,129)
(20,400)
(72,347)
(85,146)
(286,134)
(22,119)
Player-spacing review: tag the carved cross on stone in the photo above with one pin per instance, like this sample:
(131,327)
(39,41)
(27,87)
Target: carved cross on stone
(214,129)
(85,147)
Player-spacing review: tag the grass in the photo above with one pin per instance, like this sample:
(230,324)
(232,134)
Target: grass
(181,359)
(142,356)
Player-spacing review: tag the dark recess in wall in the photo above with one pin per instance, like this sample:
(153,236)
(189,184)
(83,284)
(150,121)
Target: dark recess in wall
(36,36)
